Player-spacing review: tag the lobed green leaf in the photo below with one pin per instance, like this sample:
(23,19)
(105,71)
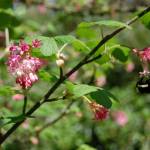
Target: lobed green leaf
(109,23)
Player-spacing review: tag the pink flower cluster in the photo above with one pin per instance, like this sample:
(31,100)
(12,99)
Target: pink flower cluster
(22,65)
(100,112)
(144,54)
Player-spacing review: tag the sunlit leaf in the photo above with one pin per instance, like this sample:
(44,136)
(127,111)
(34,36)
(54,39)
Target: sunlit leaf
(6,90)
(80,46)
(48,47)
(109,23)
(79,90)
(63,39)
(45,76)
(146,20)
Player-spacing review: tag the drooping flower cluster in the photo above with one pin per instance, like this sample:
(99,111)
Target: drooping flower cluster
(22,65)
(144,54)
(100,112)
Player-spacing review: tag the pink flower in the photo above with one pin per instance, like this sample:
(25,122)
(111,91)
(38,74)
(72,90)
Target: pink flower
(120,117)
(100,112)
(101,81)
(18,97)
(22,65)
(73,76)
(42,8)
(130,67)
(25,124)
(36,43)
(34,140)
(13,48)
(27,81)
(24,46)
(1,82)
(144,54)
(79,114)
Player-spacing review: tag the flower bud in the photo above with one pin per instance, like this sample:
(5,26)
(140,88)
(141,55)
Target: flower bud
(18,97)
(61,56)
(100,112)
(60,62)
(34,140)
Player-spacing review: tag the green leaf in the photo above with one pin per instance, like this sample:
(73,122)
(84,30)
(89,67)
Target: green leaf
(6,91)
(80,90)
(146,20)
(109,23)
(102,97)
(80,46)
(87,33)
(8,19)
(37,53)
(48,47)
(12,119)
(104,59)
(45,76)
(86,147)
(33,24)
(77,44)
(121,53)
(6,4)
(63,39)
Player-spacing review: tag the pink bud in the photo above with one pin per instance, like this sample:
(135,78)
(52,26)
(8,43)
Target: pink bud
(120,118)
(143,54)
(60,62)
(101,81)
(18,97)
(1,82)
(73,76)
(130,67)
(36,43)
(100,112)
(34,140)
(42,8)
(79,114)
(24,46)
(25,124)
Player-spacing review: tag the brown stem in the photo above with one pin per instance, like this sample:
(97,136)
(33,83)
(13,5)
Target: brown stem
(60,116)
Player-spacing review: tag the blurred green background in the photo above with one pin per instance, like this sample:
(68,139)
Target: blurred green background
(128,125)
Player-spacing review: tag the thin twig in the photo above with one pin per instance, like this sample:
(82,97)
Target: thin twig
(59,117)
(78,66)
(54,99)
(61,72)
(93,59)
(24,105)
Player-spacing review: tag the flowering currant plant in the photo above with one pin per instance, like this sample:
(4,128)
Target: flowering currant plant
(25,68)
